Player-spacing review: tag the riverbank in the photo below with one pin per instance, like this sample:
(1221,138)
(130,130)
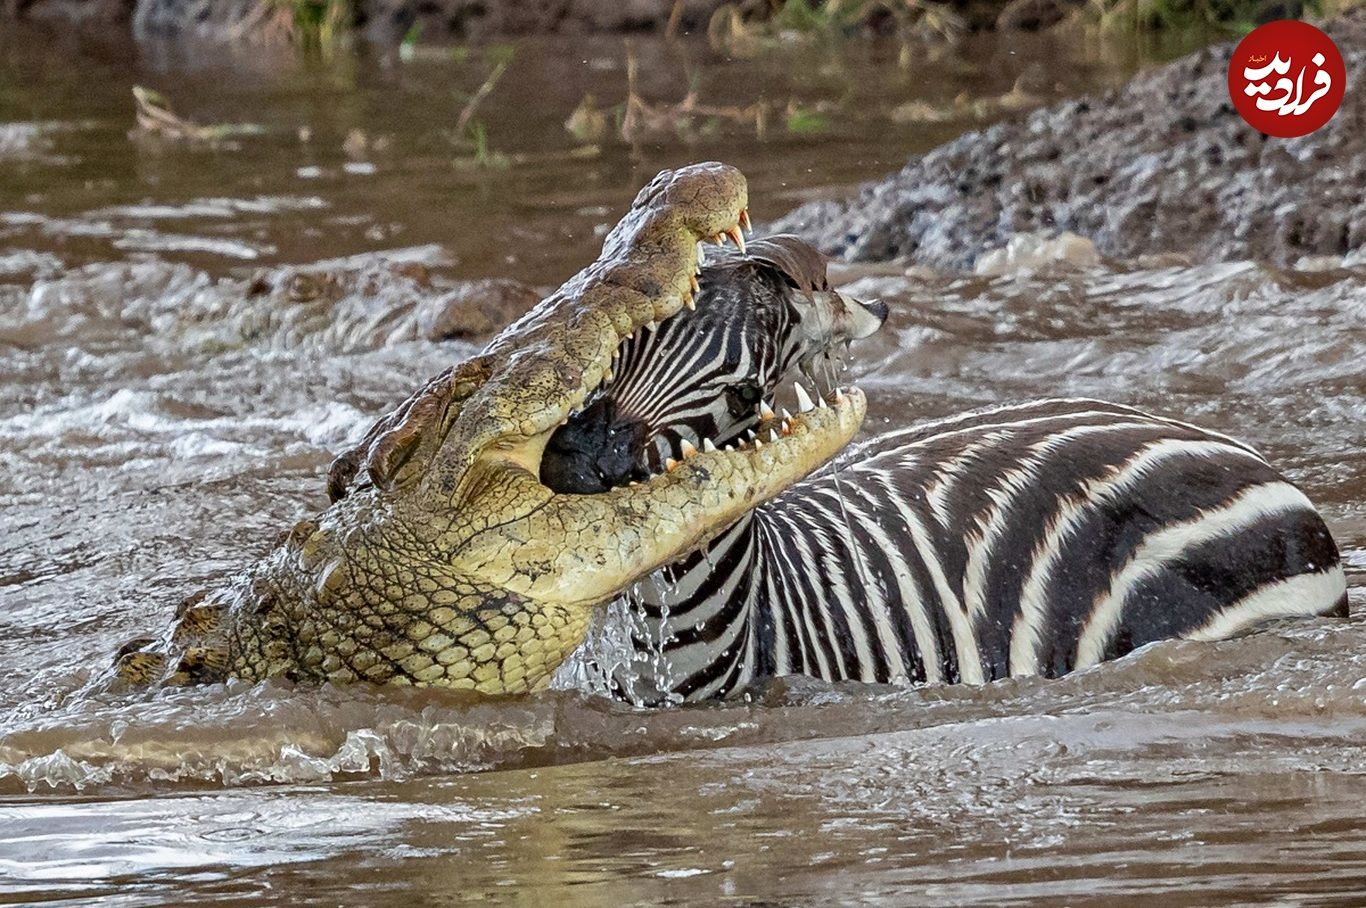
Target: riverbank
(733,24)
(1163,164)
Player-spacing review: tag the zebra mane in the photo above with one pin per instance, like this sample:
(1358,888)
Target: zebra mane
(797,261)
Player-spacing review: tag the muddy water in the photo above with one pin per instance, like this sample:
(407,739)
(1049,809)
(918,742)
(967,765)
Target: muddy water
(158,425)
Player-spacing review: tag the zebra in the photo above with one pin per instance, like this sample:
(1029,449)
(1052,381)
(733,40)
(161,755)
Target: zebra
(1024,539)
(758,316)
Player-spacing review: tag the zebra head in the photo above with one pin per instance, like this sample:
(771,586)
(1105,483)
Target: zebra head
(706,374)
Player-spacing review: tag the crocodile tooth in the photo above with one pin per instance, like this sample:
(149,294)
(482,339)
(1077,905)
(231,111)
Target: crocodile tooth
(772,434)
(687,448)
(607,374)
(744,219)
(670,464)
(803,399)
(765,411)
(820,402)
(839,396)
(652,326)
(708,445)
(719,239)
(701,258)
(692,282)
(787,417)
(690,302)
(758,444)
(735,234)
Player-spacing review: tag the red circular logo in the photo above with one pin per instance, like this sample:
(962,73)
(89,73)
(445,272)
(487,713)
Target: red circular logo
(1287,79)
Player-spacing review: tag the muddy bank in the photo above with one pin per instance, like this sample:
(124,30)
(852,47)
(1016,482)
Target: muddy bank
(387,21)
(382,20)
(1163,164)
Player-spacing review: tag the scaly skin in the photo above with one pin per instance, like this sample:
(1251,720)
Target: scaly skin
(443,560)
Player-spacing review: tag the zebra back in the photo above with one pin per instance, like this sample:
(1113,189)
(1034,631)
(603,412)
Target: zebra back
(1031,539)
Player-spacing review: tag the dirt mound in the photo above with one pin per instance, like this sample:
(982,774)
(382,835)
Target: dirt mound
(384,21)
(1163,164)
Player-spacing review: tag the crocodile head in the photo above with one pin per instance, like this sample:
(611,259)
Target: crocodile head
(443,559)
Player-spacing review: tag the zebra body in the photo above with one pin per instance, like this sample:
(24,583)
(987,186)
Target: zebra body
(1034,539)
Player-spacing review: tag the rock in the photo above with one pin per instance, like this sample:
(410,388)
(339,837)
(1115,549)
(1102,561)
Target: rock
(1031,252)
(382,21)
(1034,15)
(88,13)
(211,19)
(1164,164)
(386,21)
(474,309)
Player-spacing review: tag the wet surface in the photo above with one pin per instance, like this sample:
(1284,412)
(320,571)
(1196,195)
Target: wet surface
(159,423)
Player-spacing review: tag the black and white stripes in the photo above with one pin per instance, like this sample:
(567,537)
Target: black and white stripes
(703,375)
(1023,540)
(1031,539)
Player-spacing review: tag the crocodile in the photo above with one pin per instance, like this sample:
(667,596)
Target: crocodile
(442,559)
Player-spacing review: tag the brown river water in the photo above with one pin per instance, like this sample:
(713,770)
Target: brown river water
(158,425)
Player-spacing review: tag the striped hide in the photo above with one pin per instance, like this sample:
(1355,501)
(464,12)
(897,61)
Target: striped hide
(703,375)
(1033,539)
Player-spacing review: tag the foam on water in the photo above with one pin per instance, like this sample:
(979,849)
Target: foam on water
(1304,682)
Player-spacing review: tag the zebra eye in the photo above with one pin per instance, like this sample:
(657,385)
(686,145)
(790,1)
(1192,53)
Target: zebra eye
(745,394)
